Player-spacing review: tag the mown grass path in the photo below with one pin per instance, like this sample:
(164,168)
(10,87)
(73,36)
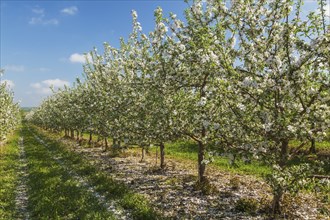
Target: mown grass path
(53,193)
(21,200)
(111,206)
(65,186)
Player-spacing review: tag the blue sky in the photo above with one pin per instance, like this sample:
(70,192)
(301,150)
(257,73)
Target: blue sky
(42,41)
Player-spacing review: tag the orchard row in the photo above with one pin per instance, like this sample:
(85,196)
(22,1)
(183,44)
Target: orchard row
(9,111)
(243,78)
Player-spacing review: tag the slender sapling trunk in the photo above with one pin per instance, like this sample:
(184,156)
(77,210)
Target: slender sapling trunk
(106,144)
(90,138)
(312,149)
(162,155)
(143,152)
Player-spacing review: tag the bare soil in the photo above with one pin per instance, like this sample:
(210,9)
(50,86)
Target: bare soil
(174,193)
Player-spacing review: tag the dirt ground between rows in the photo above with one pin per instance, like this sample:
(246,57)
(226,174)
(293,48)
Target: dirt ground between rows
(174,193)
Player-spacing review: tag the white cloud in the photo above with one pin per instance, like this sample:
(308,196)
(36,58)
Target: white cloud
(36,85)
(42,21)
(70,10)
(55,82)
(39,18)
(14,68)
(44,86)
(79,58)
(10,84)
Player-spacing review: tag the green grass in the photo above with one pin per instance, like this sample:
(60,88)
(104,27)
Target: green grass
(322,151)
(9,165)
(188,150)
(181,150)
(105,185)
(53,193)
(323,146)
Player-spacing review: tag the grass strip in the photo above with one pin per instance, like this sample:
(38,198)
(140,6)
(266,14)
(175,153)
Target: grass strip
(53,193)
(138,205)
(9,166)
(187,150)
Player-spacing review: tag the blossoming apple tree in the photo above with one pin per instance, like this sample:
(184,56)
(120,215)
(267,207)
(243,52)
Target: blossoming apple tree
(284,81)
(9,110)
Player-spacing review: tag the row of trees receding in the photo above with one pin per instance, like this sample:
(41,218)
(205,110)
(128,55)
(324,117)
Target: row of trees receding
(9,110)
(242,77)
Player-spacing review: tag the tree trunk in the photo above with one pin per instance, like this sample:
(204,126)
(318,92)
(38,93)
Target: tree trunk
(279,192)
(90,138)
(162,155)
(143,152)
(312,149)
(201,165)
(276,203)
(114,142)
(72,133)
(77,135)
(106,144)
